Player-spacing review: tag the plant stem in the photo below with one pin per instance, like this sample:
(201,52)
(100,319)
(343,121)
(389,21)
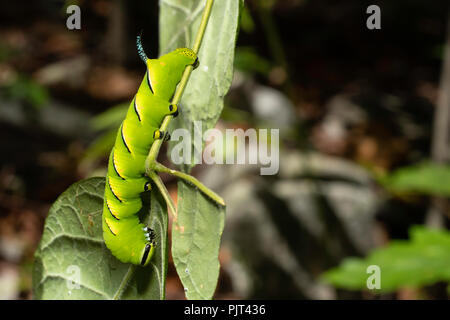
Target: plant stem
(162,188)
(435,216)
(156,146)
(190,179)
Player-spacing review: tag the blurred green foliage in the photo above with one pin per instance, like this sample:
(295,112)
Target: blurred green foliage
(247,60)
(110,118)
(27,90)
(246,21)
(423,260)
(425,178)
(107,123)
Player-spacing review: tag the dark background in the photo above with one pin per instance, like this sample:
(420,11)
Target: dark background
(53,81)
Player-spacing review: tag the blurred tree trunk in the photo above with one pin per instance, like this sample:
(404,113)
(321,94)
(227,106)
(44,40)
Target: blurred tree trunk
(441,133)
(115,39)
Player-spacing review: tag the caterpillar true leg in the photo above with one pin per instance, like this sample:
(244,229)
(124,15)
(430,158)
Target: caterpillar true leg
(196,64)
(174,109)
(166,136)
(158,134)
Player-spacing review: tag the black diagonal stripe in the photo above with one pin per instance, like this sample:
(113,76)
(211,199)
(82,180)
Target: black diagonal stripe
(112,191)
(146,252)
(123,139)
(111,211)
(149,81)
(136,109)
(110,229)
(114,166)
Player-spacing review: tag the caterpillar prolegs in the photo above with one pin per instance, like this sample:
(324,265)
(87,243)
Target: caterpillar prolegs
(125,236)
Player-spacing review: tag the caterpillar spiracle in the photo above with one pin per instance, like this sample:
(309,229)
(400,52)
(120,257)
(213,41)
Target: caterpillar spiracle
(126,237)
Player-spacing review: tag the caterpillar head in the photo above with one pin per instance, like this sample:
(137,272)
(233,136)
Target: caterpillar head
(164,73)
(189,55)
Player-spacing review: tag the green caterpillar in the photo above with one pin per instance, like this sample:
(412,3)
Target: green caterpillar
(125,236)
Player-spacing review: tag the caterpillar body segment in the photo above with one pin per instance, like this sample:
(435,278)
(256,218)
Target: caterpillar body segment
(125,236)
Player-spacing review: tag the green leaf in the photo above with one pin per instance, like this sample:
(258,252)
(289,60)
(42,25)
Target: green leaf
(426,178)
(72,240)
(196,233)
(203,97)
(422,260)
